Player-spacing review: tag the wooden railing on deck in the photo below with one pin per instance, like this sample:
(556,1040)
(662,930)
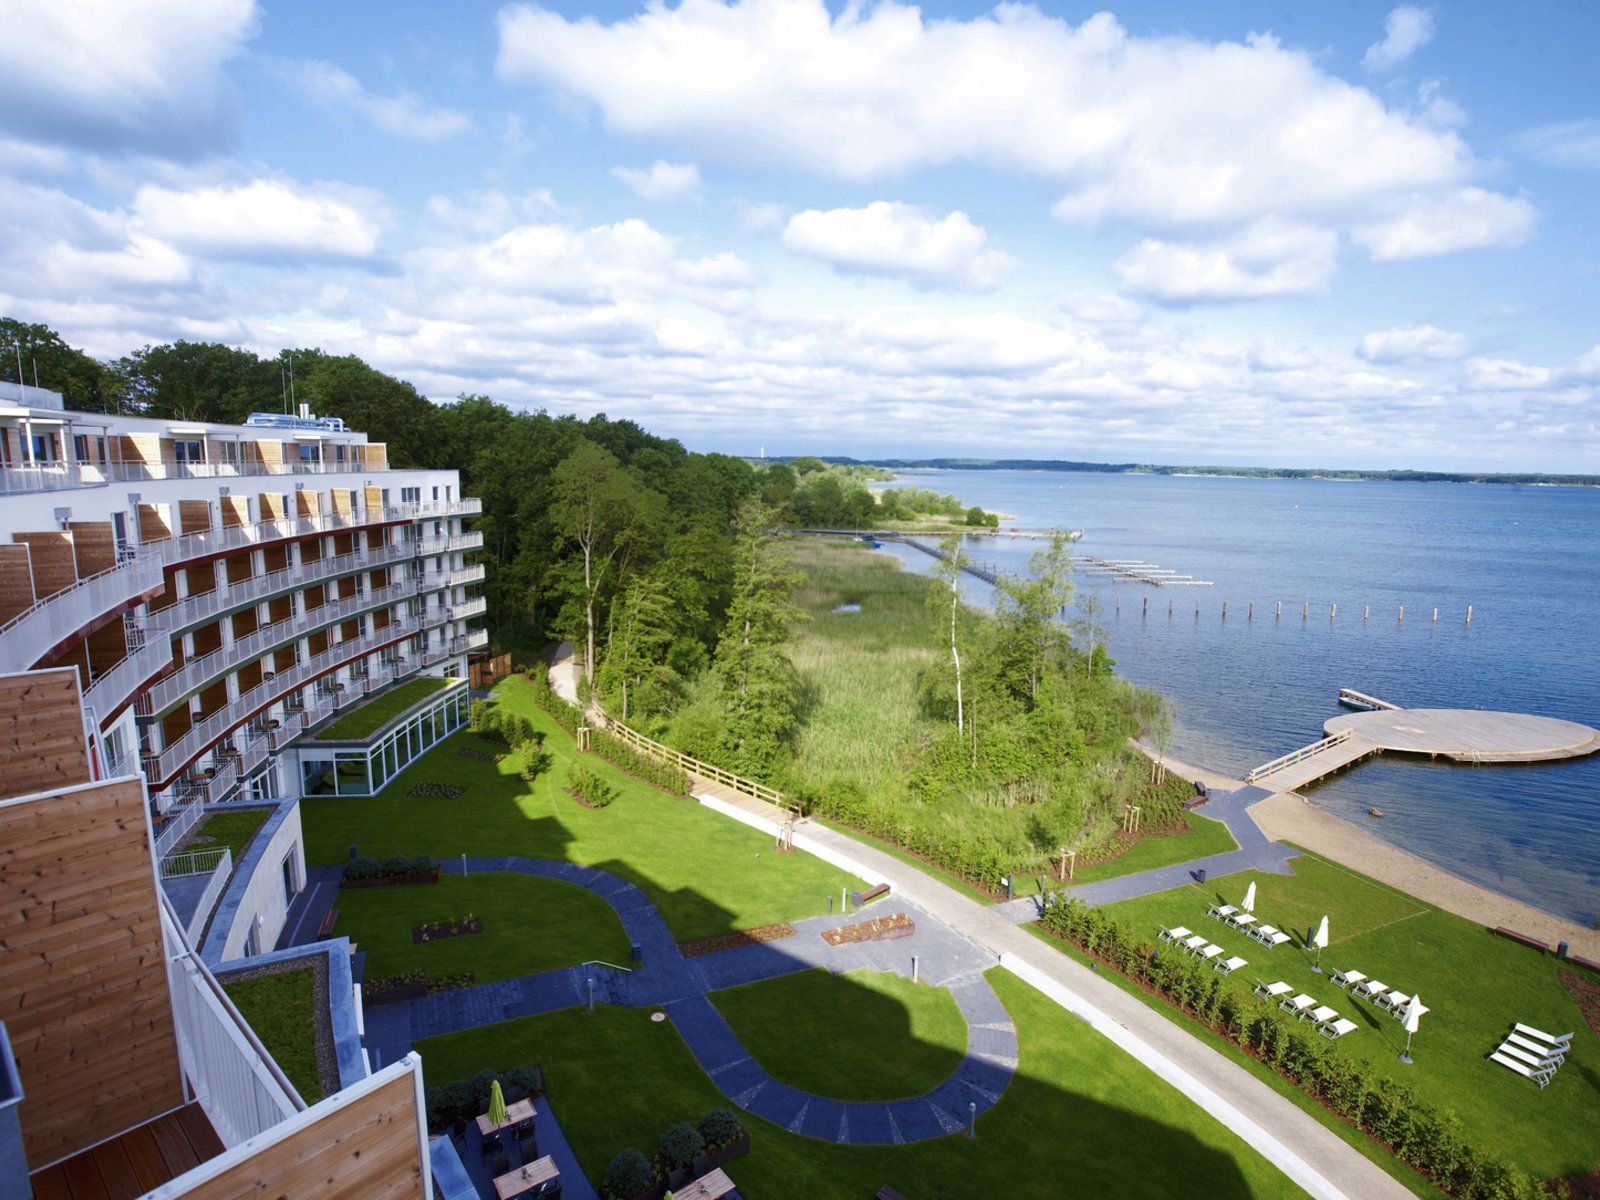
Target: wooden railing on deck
(694,766)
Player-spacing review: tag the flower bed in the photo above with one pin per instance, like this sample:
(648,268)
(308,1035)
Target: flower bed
(478,755)
(438,791)
(879,929)
(438,931)
(1586,994)
(739,937)
(410,985)
(686,1152)
(398,871)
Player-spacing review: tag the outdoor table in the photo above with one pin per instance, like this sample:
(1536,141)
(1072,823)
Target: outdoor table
(516,1113)
(525,1179)
(709,1186)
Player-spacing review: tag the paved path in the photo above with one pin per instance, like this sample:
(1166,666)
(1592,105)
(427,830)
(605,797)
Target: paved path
(680,985)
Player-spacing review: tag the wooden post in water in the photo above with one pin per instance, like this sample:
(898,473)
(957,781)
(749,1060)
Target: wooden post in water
(1278,612)
(1197,609)
(1366,611)
(1250,613)
(1224,609)
(1169,607)
(1469,614)
(1333,611)
(1305,610)
(1119,604)
(1145,612)
(1401,618)
(1436,616)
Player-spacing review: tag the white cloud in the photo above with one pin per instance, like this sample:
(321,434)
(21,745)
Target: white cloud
(402,114)
(893,239)
(1574,144)
(760,216)
(1468,219)
(662,181)
(1410,343)
(1587,365)
(1406,31)
(262,220)
(1268,355)
(1103,309)
(1272,258)
(121,76)
(1507,374)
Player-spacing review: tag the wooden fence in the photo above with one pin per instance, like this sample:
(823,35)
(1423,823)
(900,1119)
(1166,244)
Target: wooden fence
(694,766)
(482,672)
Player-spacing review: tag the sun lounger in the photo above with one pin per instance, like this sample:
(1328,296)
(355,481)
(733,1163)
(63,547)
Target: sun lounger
(1319,1016)
(1297,1004)
(1230,965)
(1176,934)
(1209,952)
(1372,989)
(1344,979)
(1557,1039)
(1271,991)
(1241,919)
(1542,1078)
(1548,1053)
(1393,1001)
(1274,939)
(1400,1010)
(1221,912)
(1537,1061)
(1334,1030)
(1193,943)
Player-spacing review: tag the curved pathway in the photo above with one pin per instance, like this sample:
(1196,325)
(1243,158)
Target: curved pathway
(680,985)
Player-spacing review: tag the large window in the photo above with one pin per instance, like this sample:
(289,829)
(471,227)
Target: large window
(367,770)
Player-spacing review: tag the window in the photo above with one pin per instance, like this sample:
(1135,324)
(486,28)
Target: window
(80,447)
(410,495)
(228,452)
(188,450)
(44,447)
(308,452)
(119,532)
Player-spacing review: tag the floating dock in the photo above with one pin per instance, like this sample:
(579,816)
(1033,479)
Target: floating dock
(1137,570)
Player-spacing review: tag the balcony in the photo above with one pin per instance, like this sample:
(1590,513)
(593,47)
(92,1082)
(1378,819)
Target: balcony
(466,575)
(58,619)
(193,883)
(113,688)
(465,541)
(61,476)
(474,607)
(161,769)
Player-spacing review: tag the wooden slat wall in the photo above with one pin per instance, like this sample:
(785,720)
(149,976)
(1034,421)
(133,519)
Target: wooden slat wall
(372,498)
(344,500)
(307,503)
(16,581)
(194,515)
(140,448)
(270,453)
(270,505)
(366,1150)
(235,510)
(375,456)
(85,998)
(108,646)
(95,546)
(154,523)
(41,735)
(55,565)
(239,568)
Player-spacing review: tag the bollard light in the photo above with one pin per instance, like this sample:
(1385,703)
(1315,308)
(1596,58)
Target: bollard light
(972,1118)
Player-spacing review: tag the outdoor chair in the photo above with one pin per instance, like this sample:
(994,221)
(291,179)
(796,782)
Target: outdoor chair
(1176,934)
(1240,919)
(1334,1030)
(1556,1039)
(1274,939)
(1319,1016)
(1536,1061)
(1221,912)
(1271,991)
(1297,1004)
(1542,1078)
(1209,952)
(1344,979)
(1229,965)
(1549,1053)
(1392,1001)
(1372,989)
(1194,943)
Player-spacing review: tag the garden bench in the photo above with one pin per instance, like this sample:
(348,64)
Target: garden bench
(888,1193)
(872,893)
(1524,938)
(328,922)
(1584,962)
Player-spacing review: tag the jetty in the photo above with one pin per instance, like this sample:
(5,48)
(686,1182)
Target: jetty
(1137,570)
(985,571)
(1463,735)
(971,531)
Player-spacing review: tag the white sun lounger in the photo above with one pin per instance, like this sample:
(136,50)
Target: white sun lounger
(1192,944)
(1560,1039)
(1176,934)
(1230,965)
(1320,1016)
(1334,1030)
(1241,919)
(1393,1001)
(1552,1054)
(1273,939)
(1210,951)
(1536,1061)
(1372,989)
(1221,912)
(1271,991)
(1297,1004)
(1344,979)
(1542,1078)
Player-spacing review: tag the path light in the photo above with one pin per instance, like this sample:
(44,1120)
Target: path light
(591,993)
(1413,1018)
(1320,941)
(972,1118)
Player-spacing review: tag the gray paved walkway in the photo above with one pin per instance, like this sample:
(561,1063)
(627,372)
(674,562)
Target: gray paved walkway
(667,980)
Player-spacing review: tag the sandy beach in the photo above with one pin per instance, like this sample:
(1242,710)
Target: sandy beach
(1289,817)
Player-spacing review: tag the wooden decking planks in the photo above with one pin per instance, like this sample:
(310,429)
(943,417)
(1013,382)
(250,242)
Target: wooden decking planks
(131,1165)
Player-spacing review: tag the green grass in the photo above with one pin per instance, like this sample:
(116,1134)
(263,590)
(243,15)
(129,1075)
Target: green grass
(366,719)
(1474,983)
(705,873)
(231,829)
(949,878)
(279,1009)
(1205,837)
(1079,1119)
(529,924)
(868,1035)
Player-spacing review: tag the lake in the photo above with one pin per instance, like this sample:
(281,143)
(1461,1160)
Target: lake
(1527,559)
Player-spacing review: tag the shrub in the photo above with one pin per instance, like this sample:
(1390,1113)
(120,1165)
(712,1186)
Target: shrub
(587,786)
(396,864)
(667,776)
(566,715)
(421,865)
(521,1082)
(681,1145)
(628,1174)
(362,867)
(719,1127)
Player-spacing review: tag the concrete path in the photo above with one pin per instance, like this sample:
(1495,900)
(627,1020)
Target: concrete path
(664,978)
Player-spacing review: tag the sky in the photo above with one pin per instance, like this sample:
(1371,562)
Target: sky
(1345,234)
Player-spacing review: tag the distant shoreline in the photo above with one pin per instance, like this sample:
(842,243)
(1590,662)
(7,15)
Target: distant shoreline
(1517,478)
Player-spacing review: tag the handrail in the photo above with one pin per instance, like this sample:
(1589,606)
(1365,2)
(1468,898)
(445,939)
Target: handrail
(194,862)
(1296,756)
(600,962)
(694,766)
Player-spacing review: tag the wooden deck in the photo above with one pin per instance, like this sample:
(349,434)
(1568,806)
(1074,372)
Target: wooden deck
(132,1164)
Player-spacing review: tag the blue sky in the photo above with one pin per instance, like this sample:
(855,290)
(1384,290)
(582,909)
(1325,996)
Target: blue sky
(1343,235)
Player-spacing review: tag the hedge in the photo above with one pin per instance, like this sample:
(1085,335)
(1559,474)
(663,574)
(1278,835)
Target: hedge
(395,867)
(465,1099)
(565,714)
(631,1172)
(1428,1139)
(669,777)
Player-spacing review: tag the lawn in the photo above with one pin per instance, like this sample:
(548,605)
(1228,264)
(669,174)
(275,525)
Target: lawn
(279,1009)
(706,873)
(1080,1117)
(529,924)
(886,1037)
(231,829)
(1474,983)
(367,718)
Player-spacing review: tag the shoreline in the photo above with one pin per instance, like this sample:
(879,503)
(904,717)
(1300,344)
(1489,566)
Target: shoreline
(1290,817)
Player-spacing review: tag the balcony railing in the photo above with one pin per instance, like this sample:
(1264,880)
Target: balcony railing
(241,1088)
(183,816)
(466,575)
(475,640)
(58,618)
(474,607)
(213,727)
(59,476)
(465,541)
(112,688)
(218,864)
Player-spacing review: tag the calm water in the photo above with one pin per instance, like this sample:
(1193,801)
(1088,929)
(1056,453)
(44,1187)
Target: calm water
(1526,558)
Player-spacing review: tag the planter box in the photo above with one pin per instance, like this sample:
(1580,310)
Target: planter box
(392,880)
(711,1159)
(411,991)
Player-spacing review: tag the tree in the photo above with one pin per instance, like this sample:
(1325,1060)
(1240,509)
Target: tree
(645,623)
(1158,728)
(758,679)
(1030,609)
(83,383)
(594,505)
(1093,633)
(947,573)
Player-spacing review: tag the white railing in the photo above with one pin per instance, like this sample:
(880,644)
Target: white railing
(473,640)
(181,820)
(110,690)
(58,618)
(187,747)
(465,541)
(1297,756)
(472,574)
(469,608)
(230,656)
(218,864)
(241,1088)
(57,476)
(195,862)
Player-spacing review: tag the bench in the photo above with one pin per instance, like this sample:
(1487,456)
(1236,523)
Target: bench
(872,893)
(328,922)
(1522,937)
(888,1193)
(1584,962)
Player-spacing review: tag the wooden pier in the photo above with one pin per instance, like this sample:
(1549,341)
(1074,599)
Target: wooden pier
(1137,570)
(971,531)
(1463,735)
(985,571)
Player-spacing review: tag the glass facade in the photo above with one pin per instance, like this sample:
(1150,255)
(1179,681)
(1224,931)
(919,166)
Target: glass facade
(366,770)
